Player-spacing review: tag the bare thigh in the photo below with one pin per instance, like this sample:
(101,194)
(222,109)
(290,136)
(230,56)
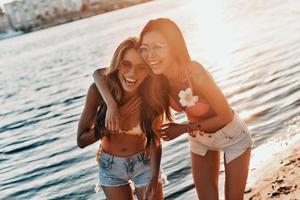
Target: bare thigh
(205,171)
(158,194)
(236,174)
(123,192)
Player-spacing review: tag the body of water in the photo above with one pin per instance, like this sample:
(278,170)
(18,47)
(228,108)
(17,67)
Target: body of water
(252,49)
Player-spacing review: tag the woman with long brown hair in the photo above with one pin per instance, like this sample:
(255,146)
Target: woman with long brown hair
(133,152)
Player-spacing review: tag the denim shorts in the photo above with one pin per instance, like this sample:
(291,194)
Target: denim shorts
(233,139)
(116,171)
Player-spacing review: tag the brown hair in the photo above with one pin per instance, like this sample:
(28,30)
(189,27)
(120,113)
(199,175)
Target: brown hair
(171,32)
(153,91)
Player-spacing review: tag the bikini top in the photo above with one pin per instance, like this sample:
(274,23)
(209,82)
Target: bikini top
(136,130)
(190,104)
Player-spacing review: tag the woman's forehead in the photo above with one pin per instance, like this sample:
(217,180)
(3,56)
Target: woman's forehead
(153,37)
(132,55)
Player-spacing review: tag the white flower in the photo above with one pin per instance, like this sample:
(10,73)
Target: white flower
(187,98)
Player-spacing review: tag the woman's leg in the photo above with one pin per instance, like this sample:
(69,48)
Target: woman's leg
(236,174)
(123,192)
(158,194)
(206,174)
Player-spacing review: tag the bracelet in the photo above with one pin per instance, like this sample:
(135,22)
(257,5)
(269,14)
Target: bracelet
(187,127)
(199,127)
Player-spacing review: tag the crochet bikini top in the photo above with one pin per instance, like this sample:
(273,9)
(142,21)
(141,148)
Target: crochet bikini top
(136,130)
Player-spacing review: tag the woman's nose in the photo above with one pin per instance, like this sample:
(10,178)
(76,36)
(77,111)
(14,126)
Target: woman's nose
(132,70)
(151,54)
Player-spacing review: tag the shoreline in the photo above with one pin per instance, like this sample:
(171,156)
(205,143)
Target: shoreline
(279,176)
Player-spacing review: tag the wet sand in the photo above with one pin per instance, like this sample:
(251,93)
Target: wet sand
(280,180)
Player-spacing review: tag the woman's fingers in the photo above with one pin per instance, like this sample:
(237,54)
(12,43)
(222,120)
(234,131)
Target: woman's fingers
(130,107)
(164,136)
(167,125)
(117,124)
(134,106)
(133,102)
(110,124)
(113,124)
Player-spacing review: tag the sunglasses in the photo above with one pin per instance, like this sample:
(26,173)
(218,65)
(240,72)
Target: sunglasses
(139,68)
(156,48)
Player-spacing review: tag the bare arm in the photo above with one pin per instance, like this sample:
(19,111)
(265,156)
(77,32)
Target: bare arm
(156,151)
(204,82)
(112,119)
(102,85)
(85,131)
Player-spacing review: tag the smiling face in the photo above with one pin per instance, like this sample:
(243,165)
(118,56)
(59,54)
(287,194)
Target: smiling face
(156,52)
(132,71)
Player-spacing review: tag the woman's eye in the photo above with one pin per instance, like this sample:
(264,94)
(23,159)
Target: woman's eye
(143,49)
(158,47)
(143,68)
(126,64)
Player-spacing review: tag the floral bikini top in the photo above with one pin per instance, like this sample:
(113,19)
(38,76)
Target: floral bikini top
(190,103)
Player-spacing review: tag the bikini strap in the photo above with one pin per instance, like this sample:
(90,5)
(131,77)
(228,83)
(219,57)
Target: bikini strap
(188,77)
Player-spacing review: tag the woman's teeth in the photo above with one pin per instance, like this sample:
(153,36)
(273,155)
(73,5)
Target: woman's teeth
(130,81)
(154,62)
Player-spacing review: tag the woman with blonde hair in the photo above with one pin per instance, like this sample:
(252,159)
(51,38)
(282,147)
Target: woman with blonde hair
(133,152)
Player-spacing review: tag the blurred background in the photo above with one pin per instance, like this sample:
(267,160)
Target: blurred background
(251,48)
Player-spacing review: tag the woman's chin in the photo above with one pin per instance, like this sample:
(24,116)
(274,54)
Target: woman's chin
(129,89)
(157,69)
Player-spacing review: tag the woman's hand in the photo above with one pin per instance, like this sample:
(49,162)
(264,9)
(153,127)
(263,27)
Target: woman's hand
(114,114)
(113,117)
(151,189)
(130,107)
(171,131)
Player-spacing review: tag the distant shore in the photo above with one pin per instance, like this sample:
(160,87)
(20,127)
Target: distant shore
(86,11)
(280,179)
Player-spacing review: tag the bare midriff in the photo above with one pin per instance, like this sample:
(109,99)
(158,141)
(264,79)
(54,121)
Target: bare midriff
(123,144)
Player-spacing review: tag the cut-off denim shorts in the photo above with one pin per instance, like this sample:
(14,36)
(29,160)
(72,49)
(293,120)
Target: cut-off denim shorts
(117,171)
(233,139)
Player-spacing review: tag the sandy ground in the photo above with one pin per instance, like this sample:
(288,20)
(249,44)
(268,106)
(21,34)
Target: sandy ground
(280,180)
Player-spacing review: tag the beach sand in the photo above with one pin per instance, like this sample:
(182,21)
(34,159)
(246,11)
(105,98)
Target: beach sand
(280,179)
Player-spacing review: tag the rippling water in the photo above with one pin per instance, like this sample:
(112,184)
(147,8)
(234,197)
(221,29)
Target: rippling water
(251,48)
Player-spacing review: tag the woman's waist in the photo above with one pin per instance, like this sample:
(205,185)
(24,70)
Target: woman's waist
(119,146)
(235,123)
(211,128)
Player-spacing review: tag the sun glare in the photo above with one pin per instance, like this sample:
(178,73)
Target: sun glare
(215,34)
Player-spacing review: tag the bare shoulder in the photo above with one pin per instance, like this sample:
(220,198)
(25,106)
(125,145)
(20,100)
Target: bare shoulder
(198,73)
(194,65)
(99,72)
(94,93)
